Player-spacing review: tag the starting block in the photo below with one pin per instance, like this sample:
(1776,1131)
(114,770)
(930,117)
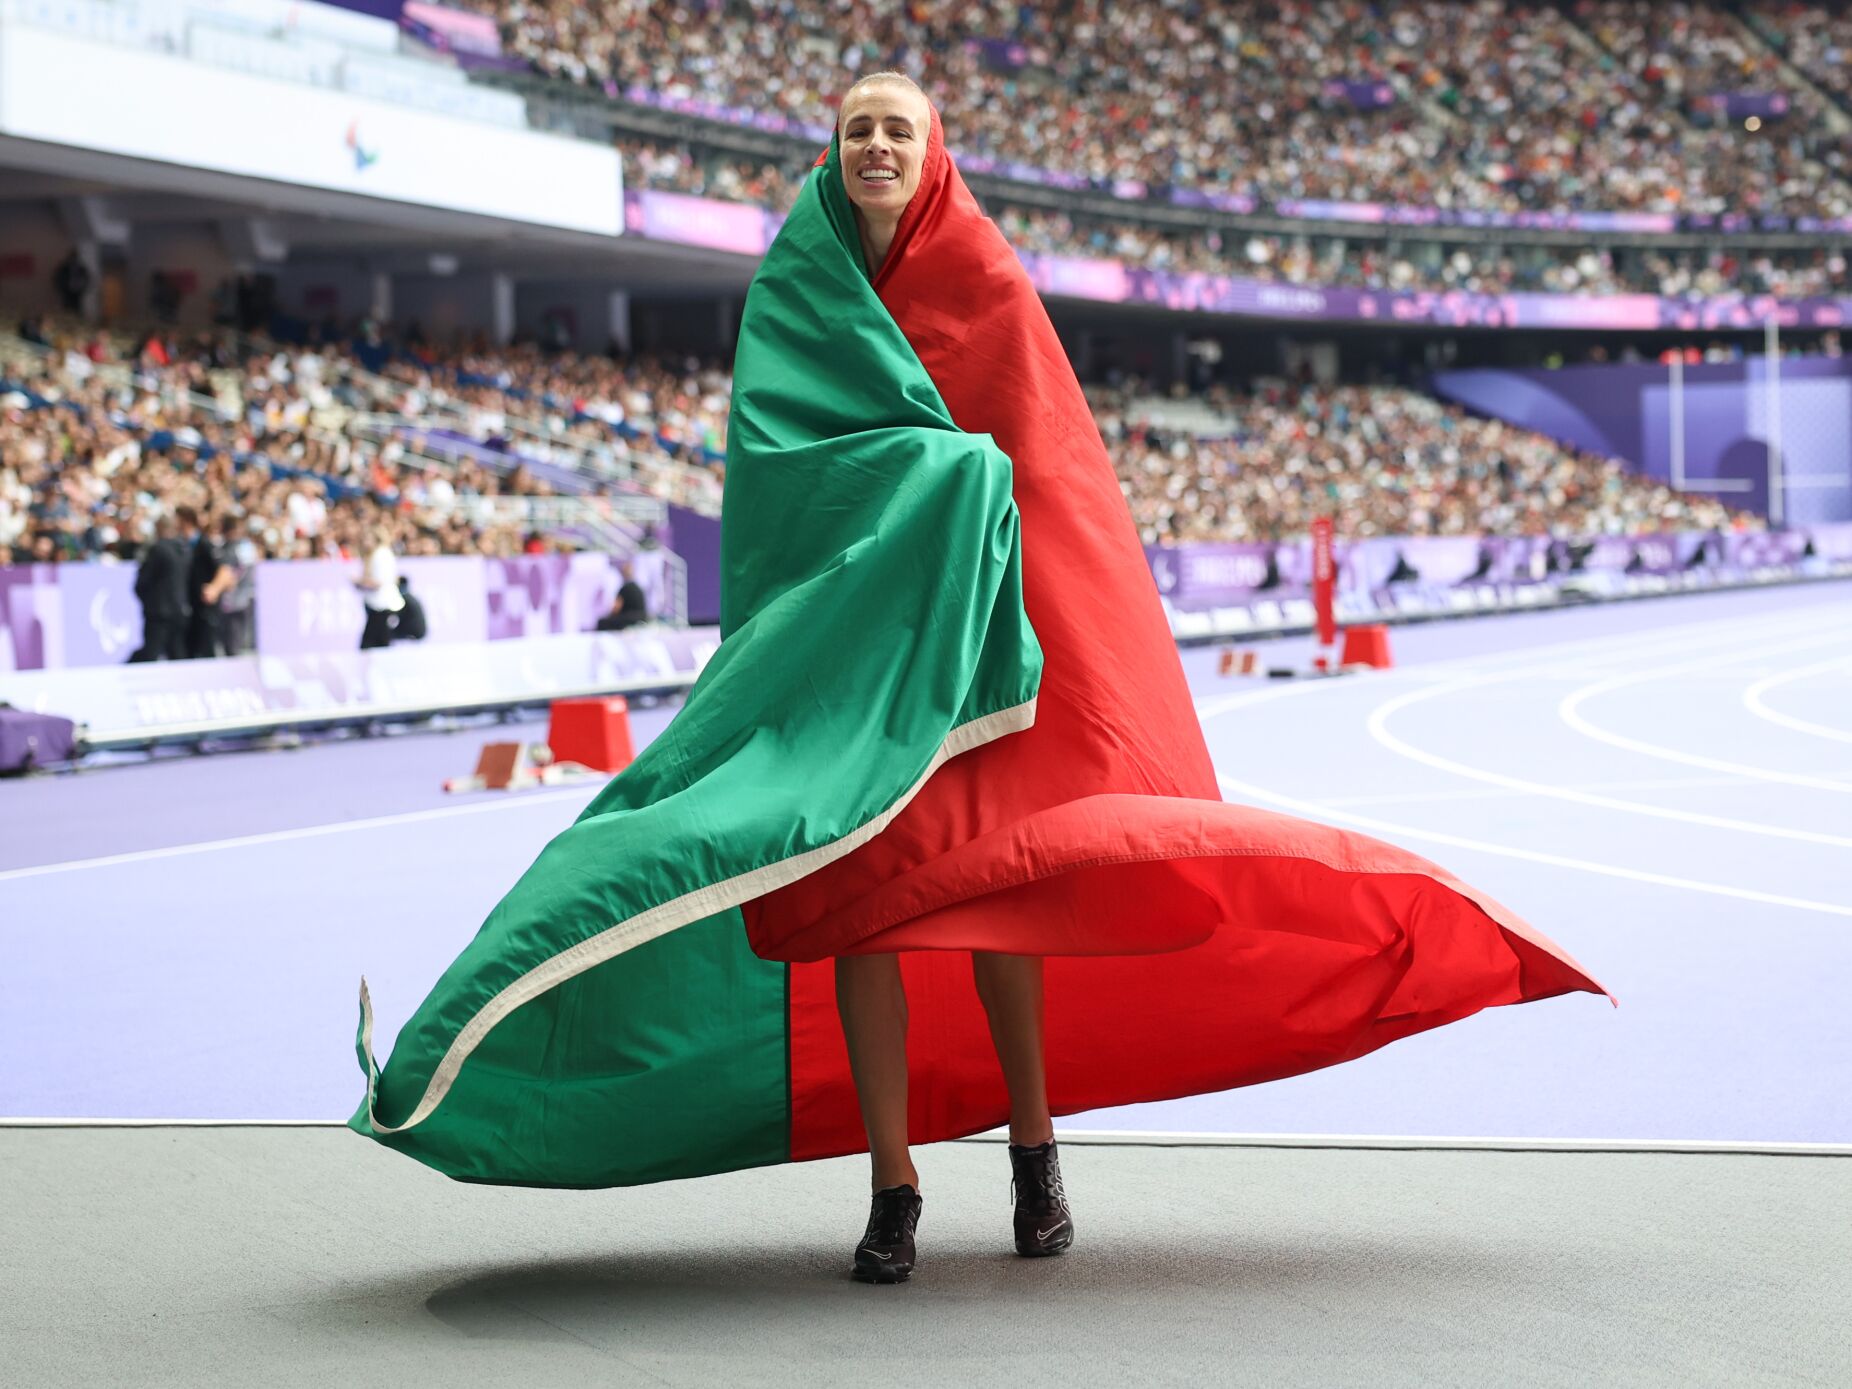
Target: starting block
(591,732)
(1248,663)
(1365,648)
(510,767)
(517,767)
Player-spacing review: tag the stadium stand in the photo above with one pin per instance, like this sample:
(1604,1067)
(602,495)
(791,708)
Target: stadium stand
(1406,261)
(96,452)
(1815,39)
(1494,106)
(1336,258)
(1262,464)
(104,435)
(293,444)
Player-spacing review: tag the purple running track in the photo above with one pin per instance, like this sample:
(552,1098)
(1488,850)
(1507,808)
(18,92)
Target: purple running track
(183,938)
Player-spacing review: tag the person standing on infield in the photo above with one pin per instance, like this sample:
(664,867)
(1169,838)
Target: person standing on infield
(379,590)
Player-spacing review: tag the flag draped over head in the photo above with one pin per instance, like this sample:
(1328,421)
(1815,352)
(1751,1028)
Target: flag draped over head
(946,715)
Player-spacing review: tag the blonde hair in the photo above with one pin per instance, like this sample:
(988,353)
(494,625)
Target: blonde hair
(889,75)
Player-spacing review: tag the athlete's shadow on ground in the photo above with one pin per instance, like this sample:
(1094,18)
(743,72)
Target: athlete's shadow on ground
(725,1301)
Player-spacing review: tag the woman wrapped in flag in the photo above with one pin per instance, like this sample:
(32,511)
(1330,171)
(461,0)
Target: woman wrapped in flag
(935,844)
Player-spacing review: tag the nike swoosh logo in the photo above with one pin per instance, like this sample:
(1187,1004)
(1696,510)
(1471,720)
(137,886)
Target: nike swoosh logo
(1044,1234)
(883,1257)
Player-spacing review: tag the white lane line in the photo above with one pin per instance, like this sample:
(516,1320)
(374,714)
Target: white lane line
(1755,703)
(1165,1138)
(1682,639)
(1723,675)
(1320,811)
(1378,725)
(515,801)
(1469,793)
(1625,642)
(1569,710)
(89,1123)
(1314,811)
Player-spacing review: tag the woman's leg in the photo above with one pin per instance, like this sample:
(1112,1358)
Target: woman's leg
(1010,987)
(872,1001)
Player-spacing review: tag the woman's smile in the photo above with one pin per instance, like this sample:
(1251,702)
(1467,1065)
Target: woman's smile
(885,125)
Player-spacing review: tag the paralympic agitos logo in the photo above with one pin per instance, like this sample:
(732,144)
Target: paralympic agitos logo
(364,158)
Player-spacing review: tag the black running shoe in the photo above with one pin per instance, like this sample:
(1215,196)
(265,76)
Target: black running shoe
(885,1254)
(1044,1225)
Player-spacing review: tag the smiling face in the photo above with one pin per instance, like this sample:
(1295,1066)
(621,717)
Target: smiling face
(884,130)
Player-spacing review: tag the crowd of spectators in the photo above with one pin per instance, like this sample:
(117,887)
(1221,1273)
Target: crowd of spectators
(99,445)
(1379,460)
(1694,56)
(1491,105)
(679,167)
(1817,39)
(1404,262)
(277,451)
(102,438)
(1686,51)
(659,422)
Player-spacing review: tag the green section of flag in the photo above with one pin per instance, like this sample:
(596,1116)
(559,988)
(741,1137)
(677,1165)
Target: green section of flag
(872,604)
(665,1061)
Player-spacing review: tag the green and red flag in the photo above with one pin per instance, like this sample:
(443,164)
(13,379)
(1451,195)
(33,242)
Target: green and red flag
(946,715)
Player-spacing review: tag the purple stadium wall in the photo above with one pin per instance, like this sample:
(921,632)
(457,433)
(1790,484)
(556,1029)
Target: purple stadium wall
(58,615)
(1625,411)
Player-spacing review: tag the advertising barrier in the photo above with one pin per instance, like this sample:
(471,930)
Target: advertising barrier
(691,221)
(460,31)
(64,616)
(60,615)
(55,615)
(306,606)
(1229,294)
(127,705)
(1215,590)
